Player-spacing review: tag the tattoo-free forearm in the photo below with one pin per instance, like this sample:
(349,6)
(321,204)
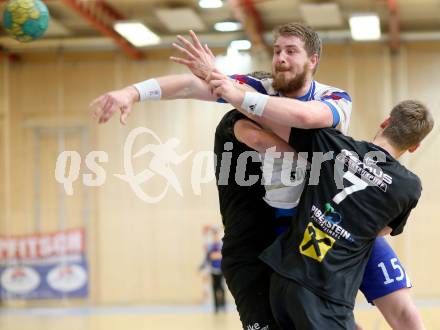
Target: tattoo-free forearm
(258,138)
(289,112)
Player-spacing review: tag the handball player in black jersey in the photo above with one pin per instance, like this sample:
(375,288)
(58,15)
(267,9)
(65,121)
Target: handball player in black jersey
(356,192)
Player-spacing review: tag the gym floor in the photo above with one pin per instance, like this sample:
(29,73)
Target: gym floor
(166,318)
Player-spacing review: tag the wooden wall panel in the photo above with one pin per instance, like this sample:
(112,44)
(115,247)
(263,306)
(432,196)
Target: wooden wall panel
(149,253)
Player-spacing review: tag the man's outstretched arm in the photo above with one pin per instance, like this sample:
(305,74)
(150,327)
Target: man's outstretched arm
(283,111)
(257,138)
(183,86)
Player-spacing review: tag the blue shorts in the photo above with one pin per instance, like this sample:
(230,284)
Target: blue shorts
(384,273)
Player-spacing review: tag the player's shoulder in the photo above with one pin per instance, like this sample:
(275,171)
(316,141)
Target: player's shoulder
(226,124)
(333,133)
(322,90)
(404,183)
(410,181)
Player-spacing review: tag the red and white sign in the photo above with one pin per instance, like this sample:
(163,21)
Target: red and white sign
(42,245)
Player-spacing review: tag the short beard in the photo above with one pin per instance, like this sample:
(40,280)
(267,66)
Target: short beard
(285,86)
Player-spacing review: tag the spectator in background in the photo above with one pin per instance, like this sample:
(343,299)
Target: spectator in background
(212,263)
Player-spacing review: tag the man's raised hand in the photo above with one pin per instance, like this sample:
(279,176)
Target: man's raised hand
(199,59)
(223,87)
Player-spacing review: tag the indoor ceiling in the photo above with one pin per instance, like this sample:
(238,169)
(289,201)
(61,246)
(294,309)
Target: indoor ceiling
(88,23)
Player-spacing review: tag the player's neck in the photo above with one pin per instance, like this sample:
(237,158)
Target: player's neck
(386,145)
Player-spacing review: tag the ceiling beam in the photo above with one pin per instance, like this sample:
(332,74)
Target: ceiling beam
(248,15)
(393,25)
(101,16)
(109,10)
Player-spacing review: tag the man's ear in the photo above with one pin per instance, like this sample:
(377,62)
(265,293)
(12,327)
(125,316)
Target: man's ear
(314,61)
(414,147)
(385,123)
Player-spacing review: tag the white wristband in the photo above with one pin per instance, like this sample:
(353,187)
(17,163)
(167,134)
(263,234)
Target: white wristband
(254,103)
(149,90)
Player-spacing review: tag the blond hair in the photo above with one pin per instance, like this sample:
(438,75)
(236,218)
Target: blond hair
(312,43)
(410,121)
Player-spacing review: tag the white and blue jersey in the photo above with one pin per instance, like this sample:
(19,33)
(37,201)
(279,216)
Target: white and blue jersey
(336,99)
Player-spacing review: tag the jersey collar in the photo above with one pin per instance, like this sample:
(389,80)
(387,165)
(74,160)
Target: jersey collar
(375,146)
(309,95)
